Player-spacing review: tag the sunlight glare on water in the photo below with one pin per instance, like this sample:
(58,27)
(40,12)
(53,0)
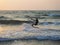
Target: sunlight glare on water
(3,28)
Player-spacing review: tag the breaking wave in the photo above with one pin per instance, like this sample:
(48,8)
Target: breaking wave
(30,33)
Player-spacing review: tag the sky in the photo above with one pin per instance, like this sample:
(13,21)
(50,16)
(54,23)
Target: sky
(29,4)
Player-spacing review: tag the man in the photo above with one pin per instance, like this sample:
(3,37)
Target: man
(35,22)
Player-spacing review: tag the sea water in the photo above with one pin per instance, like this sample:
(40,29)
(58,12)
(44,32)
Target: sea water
(21,15)
(31,42)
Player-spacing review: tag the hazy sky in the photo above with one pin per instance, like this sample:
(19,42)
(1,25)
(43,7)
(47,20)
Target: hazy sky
(29,4)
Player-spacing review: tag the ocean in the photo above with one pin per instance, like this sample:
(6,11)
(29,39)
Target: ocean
(14,25)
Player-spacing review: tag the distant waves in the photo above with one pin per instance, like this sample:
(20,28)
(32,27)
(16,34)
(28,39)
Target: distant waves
(13,22)
(21,22)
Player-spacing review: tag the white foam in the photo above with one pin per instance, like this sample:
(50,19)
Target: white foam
(28,31)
